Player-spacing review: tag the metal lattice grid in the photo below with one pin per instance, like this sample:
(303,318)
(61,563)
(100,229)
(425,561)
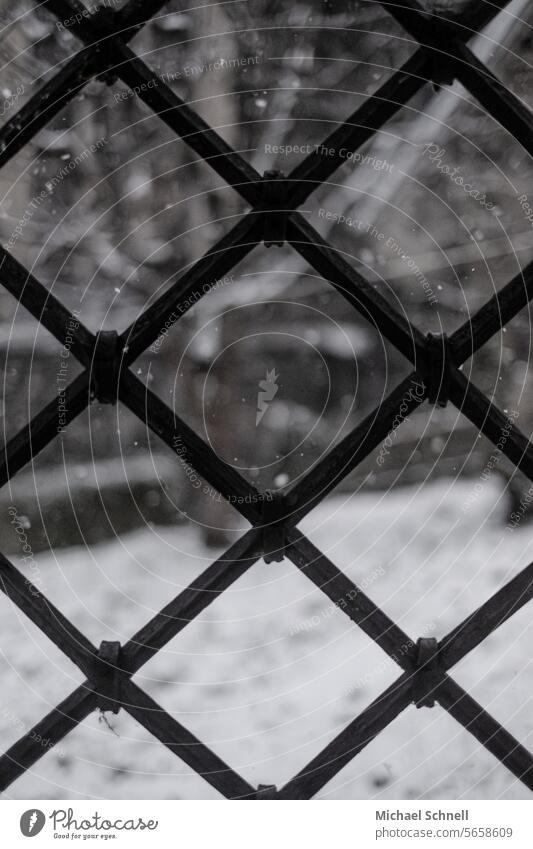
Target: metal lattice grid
(107,357)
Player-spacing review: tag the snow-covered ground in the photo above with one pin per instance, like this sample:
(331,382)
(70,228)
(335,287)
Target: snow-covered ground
(270,672)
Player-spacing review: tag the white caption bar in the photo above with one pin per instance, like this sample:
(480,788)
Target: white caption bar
(266,824)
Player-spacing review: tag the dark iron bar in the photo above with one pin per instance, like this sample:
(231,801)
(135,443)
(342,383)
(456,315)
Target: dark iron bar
(273,217)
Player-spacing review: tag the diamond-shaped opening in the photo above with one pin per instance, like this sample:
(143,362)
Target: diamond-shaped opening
(426,249)
(180,492)
(499,673)
(268,673)
(106,476)
(36,675)
(113,588)
(111,758)
(264,76)
(505,48)
(45,187)
(271,370)
(99,219)
(190,206)
(427,554)
(434,206)
(424,754)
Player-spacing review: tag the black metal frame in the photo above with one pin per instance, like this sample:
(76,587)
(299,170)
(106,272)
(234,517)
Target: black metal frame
(442,55)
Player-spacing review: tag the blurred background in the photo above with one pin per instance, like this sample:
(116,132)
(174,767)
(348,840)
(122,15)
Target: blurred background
(107,207)
(119,221)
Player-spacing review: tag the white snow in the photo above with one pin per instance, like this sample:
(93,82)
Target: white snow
(271,672)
